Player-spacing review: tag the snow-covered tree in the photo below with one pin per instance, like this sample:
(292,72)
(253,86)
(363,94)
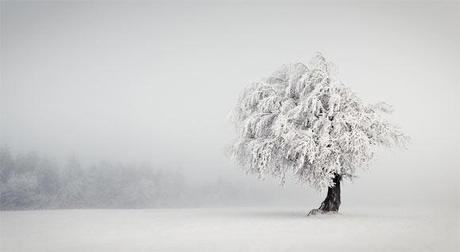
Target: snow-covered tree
(302,119)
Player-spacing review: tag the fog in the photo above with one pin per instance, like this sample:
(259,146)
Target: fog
(154,83)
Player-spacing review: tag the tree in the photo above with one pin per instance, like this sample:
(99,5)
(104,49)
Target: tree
(6,164)
(302,119)
(72,191)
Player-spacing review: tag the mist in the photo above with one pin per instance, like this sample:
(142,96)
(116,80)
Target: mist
(154,83)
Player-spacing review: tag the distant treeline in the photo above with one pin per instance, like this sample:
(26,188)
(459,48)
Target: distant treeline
(30,181)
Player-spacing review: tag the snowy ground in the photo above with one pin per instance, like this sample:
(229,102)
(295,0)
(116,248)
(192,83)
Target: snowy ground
(229,229)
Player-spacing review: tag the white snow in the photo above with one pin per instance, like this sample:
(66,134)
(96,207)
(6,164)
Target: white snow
(230,229)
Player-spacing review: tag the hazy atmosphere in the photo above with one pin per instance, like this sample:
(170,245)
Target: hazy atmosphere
(155,83)
(149,87)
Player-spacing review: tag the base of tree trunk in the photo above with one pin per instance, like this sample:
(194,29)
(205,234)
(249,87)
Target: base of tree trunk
(314,212)
(332,202)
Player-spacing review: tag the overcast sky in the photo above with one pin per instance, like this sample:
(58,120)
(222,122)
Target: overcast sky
(154,82)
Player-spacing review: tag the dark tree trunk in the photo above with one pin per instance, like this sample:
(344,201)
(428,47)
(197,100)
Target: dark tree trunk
(332,201)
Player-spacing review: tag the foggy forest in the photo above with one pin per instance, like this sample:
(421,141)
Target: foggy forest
(33,181)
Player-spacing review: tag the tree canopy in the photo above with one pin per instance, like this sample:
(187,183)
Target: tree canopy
(303,119)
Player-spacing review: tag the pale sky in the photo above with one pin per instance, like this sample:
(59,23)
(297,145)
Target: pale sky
(154,82)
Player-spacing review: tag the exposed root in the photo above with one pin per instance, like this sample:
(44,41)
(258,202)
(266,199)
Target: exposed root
(315,212)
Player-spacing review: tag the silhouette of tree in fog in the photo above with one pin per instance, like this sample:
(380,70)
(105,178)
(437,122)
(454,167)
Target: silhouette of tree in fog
(30,181)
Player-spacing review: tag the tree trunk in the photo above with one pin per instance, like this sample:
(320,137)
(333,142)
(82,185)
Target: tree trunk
(332,201)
